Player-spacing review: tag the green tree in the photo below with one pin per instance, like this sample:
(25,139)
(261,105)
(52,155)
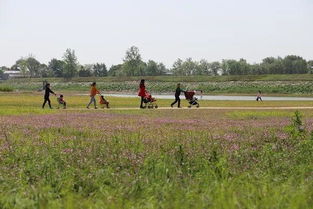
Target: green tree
(33,66)
(133,64)
(21,65)
(1,73)
(57,67)
(116,70)
(161,69)
(310,66)
(151,68)
(70,64)
(294,65)
(46,71)
(177,68)
(257,69)
(272,65)
(100,70)
(215,68)
(229,67)
(85,71)
(189,67)
(203,68)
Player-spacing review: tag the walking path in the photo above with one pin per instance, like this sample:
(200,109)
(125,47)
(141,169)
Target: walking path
(204,108)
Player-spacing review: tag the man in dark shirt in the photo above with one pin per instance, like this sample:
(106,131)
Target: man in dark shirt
(177,94)
(47,95)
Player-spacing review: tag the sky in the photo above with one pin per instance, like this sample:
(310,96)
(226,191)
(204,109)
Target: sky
(163,30)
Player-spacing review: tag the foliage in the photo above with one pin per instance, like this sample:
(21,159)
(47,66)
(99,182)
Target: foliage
(70,64)
(100,70)
(33,66)
(5,88)
(1,73)
(85,71)
(310,66)
(296,128)
(21,64)
(115,70)
(133,65)
(268,84)
(57,67)
(173,159)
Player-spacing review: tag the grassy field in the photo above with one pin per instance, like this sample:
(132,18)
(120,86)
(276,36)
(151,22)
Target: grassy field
(79,158)
(248,84)
(25,103)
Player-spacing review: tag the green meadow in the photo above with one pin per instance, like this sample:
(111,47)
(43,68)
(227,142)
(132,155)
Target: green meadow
(154,158)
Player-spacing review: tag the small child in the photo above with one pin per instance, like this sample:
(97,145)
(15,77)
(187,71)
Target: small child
(61,101)
(258,96)
(103,102)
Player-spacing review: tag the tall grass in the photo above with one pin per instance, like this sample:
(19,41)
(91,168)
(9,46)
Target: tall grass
(159,159)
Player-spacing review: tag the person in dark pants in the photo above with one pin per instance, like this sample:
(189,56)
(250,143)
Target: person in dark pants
(47,95)
(177,94)
(142,92)
(259,96)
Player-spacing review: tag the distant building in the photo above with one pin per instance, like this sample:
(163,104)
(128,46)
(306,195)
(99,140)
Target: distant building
(169,73)
(8,74)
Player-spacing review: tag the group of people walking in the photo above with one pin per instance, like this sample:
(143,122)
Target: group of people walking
(93,92)
(142,93)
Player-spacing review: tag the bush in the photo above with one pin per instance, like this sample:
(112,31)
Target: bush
(6,89)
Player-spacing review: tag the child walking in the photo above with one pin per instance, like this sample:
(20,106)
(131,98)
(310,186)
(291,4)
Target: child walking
(47,96)
(93,92)
(177,94)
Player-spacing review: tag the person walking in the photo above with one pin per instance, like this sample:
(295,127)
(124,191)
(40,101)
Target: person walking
(259,96)
(47,95)
(142,92)
(177,94)
(93,92)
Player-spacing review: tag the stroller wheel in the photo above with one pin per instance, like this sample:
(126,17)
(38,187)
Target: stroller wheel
(198,105)
(189,106)
(156,106)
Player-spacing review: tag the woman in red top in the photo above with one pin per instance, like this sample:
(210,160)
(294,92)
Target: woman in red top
(142,92)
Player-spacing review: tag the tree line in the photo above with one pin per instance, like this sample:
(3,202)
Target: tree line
(133,65)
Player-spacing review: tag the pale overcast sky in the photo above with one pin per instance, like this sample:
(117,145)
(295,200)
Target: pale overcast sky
(164,30)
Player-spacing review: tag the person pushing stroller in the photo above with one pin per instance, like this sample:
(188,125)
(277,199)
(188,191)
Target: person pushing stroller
(47,96)
(177,94)
(93,92)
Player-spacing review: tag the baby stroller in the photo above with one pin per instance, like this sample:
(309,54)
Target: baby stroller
(149,101)
(192,100)
(103,102)
(61,102)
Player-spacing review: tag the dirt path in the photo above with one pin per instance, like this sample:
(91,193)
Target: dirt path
(205,108)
